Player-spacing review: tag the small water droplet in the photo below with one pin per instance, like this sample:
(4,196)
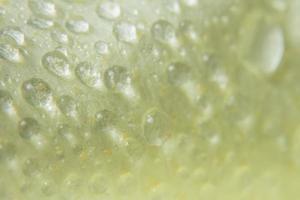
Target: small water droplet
(67,133)
(57,63)
(178,73)
(109,10)
(89,75)
(28,127)
(154,127)
(68,106)
(40,23)
(189,31)
(6,102)
(15,34)
(105,118)
(60,36)
(101,47)
(164,32)
(125,32)
(115,77)
(10,53)
(38,93)
(78,25)
(190,3)
(42,7)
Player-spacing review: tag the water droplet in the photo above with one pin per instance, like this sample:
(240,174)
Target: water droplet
(154,127)
(67,133)
(125,32)
(178,73)
(10,53)
(190,3)
(89,74)
(105,118)
(28,127)
(267,49)
(60,36)
(6,102)
(78,25)
(68,106)
(188,30)
(2,11)
(42,7)
(40,23)
(115,77)
(38,93)
(101,48)
(15,34)
(31,167)
(109,10)
(164,32)
(57,63)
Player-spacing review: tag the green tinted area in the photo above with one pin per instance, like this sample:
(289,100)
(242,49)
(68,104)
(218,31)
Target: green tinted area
(149,99)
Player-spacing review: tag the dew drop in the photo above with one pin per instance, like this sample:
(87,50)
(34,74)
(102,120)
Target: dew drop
(40,23)
(189,31)
(164,32)
(190,3)
(89,75)
(101,47)
(38,93)
(10,53)
(60,36)
(109,10)
(78,25)
(267,49)
(28,127)
(57,63)
(154,127)
(6,102)
(125,32)
(178,73)
(67,133)
(68,106)
(115,77)
(15,34)
(105,118)
(42,7)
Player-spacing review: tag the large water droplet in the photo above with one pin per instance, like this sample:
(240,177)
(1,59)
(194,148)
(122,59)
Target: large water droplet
(89,74)
(15,34)
(164,32)
(102,47)
(125,32)
(40,23)
(57,63)
(78,25)
(68,106)
(38,93)
(154,127)
(10,53)
(109,10)
(267,48)
(42,7)
(28,127)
